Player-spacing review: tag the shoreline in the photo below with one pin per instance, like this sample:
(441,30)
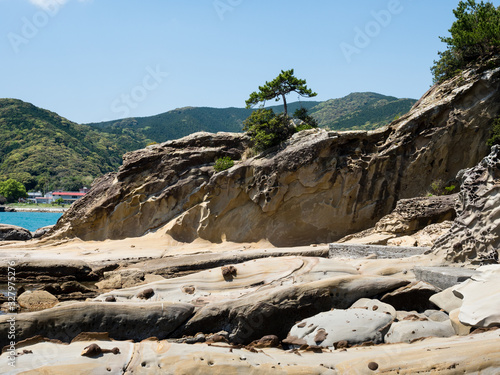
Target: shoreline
(30,209)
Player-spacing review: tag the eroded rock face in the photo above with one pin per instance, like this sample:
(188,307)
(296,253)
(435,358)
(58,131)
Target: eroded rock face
(475,233)
(319,187)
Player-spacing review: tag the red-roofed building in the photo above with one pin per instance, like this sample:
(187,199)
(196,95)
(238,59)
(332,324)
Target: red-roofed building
(68,196)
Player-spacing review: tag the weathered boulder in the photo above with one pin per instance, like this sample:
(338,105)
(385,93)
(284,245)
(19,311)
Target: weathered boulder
(475,234)
(355,326)
(14,233)
(407,330)
(37,300)
(318,187)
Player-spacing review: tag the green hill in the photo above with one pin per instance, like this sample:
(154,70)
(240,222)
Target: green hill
(45,151)
(358,111)
(355,111)
(184,121)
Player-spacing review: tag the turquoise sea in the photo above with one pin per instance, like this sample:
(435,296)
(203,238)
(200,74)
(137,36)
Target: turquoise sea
(30,220)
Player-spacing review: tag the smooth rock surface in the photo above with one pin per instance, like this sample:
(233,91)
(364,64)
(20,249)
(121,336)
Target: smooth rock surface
(407,330)
(460,328)
(446,300)
(374,305)
(355,326)
(477,354)
(121,321)
(481,298)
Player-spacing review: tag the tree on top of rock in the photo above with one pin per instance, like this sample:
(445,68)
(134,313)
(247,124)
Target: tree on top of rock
(474,34)
(278,88)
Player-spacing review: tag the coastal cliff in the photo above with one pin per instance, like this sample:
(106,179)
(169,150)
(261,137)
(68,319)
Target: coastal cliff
(318,187)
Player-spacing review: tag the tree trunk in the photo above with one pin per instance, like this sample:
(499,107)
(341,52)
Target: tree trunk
(284,105)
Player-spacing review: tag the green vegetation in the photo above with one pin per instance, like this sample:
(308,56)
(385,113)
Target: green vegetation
(360,111)
(223,163)
(438,188)
(12,190)
(475,34)
(266,129)
(59,201)
(309,122)
(495,133)
(45,152)
(279,88)
(355,111)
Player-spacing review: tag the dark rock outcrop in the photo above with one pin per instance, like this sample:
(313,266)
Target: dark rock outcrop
(14,233)
(318,187)
(40,232)
(475,234)
(51,270)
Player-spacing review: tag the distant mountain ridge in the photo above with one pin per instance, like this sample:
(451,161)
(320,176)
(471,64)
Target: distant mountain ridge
(45,151)
(355,111)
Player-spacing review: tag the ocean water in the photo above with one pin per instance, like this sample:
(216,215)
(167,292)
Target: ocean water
(30,220)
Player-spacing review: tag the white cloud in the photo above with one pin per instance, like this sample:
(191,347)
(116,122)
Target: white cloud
(46,4)
(50,4)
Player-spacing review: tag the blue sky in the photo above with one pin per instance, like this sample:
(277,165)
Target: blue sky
(97,60)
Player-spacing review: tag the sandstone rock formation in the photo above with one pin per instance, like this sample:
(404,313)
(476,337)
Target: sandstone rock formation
(477,354)
(14,233)
(328,328)
(475,234)
(319,187)
(121,321)
(414,222)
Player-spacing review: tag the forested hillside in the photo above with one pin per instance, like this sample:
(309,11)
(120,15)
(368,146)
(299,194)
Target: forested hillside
(355,111)
(45,151)
(184,121)
(365,110)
